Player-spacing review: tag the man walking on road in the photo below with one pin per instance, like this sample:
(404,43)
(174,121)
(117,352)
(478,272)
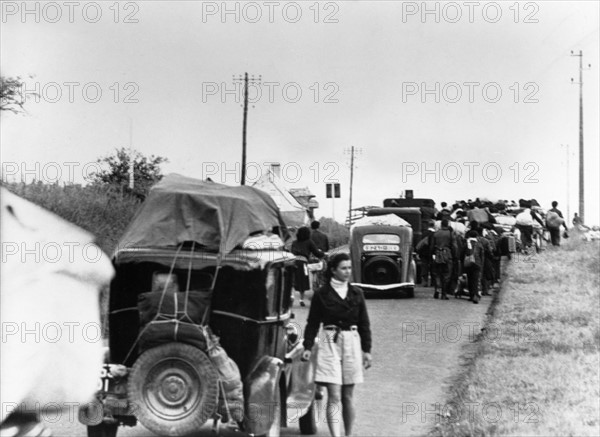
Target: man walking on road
(473,262)
(319,238)
(525,223)
(424,251)
(443,254)
(554,219)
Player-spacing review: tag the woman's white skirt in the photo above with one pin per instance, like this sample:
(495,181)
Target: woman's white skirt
(339,362)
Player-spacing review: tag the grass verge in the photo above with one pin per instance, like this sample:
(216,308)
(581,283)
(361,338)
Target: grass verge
(534,370)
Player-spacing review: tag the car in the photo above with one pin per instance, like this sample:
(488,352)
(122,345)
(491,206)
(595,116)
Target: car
(198,312)
(381,249)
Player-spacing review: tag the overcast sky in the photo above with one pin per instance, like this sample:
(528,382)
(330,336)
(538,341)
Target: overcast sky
(478,94)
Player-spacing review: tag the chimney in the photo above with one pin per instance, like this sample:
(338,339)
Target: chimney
(276,169)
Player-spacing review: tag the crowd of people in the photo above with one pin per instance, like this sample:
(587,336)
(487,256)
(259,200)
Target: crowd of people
(461,248)
(459,253)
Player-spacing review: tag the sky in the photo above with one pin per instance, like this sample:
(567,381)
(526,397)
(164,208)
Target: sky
(453,100)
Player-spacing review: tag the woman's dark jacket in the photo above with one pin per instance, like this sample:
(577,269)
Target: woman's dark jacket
(329,308)
(306,248)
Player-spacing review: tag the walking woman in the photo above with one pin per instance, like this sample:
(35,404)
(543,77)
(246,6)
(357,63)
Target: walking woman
(303,248)
(344,347)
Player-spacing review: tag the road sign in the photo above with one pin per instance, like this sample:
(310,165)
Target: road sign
(332,191)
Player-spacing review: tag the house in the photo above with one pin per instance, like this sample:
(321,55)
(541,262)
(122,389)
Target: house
(296,209)
(306,199)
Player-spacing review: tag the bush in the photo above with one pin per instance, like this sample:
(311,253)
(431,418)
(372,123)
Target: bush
(98,209)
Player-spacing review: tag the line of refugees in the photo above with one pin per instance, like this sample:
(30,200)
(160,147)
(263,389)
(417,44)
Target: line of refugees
(463,249)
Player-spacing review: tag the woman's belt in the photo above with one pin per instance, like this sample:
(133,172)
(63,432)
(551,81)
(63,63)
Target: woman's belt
(338,329)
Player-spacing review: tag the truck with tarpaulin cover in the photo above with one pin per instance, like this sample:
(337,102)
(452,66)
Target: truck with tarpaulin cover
(197,318)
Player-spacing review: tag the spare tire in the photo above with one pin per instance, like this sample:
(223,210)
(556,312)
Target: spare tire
(381,270)
(174,389)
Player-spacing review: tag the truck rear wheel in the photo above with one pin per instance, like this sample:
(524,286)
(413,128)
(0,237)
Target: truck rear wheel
(174,389)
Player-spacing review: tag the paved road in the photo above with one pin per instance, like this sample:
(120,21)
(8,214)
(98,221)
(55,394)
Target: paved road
(416,349)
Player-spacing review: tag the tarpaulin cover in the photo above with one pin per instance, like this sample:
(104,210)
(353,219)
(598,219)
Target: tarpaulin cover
(218,217)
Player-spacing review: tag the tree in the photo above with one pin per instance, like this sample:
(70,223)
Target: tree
(11,94)
(338,234)
(115,172)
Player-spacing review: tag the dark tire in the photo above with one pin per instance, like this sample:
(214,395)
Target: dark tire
(275,429)
(308,422)
(174,389)
(103,430)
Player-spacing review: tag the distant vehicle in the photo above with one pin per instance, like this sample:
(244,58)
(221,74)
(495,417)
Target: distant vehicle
(426,206)
(381,248)
(187,268)
(412,215)
(408,203)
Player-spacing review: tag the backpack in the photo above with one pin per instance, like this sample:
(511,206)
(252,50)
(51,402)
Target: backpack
(553,220)
(442,255)
(472,246)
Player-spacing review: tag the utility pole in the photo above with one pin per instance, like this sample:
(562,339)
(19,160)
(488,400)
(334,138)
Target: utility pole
(581,178)
(351,181)
(245,121)
(131,156)
(568,185)
(352,151)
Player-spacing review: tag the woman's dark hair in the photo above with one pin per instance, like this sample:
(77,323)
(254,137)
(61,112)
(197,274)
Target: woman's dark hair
(303,234)
(333,264)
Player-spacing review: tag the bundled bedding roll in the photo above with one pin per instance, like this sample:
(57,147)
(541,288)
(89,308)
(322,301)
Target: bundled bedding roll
(231,379)
(176,319)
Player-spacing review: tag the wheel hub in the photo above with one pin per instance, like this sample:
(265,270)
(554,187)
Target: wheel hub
(173,390)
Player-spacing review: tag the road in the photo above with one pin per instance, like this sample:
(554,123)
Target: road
(416,348)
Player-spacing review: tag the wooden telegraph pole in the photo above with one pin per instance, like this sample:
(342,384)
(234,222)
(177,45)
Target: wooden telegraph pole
(245,82)
(352,151)
(581,178)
